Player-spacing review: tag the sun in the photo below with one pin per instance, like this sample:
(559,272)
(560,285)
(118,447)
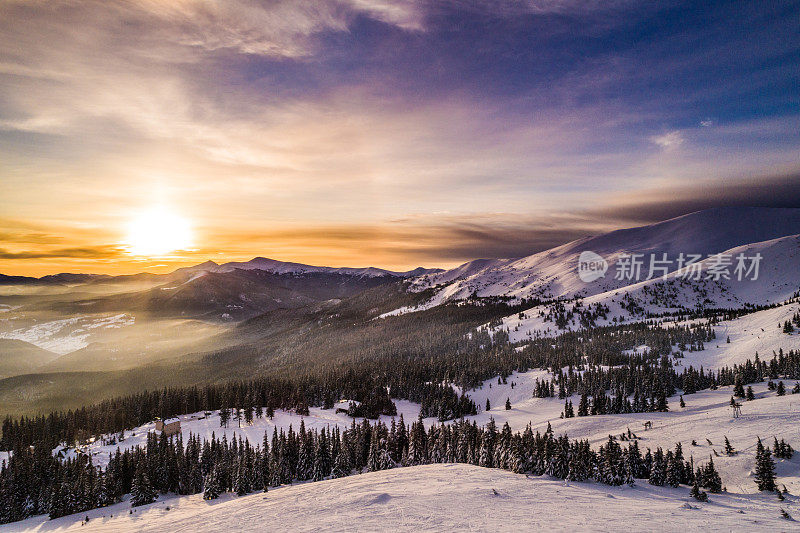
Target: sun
(157,232)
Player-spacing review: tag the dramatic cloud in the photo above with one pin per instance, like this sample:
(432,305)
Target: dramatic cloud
(655,205)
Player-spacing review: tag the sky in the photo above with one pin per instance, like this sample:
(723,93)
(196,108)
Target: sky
(382,133)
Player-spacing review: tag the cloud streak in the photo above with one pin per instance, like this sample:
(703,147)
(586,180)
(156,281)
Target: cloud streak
(99,252)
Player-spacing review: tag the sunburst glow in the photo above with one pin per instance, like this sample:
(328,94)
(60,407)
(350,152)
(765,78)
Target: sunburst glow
(158,232)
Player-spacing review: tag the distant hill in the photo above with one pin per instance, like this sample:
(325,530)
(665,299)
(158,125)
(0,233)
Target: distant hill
(65,278)
(228,295)
(20,357)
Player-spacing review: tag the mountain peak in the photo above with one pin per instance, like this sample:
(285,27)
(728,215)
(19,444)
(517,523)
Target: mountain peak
(553,273)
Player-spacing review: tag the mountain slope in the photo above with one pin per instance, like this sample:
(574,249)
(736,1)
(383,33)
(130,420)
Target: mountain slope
(226,295)
(778,280)
(553,273)
(20,357)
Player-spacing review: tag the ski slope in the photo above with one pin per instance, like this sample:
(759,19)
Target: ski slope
(442,497)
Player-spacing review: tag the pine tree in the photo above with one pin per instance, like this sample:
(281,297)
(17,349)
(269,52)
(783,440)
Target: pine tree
(508,404)
(341,465)
(729,450)
(698,494)
(710,477)
(738,388)
(373,458)
(305,461)
(213,487)
(485,456)
(224,416)
(322,459)
(765,468)
(142,491)
(488,405)
(781,390)
(657,468)
(583,406)
(663,404)
(57,502)
(750,396)
(241,480)
(674,473)
(386,461)
(783,450)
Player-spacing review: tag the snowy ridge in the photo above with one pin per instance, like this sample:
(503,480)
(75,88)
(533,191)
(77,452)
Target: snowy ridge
(778,280)
(553,273)
(68,334)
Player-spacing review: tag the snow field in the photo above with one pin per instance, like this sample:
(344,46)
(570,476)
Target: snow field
(442,497)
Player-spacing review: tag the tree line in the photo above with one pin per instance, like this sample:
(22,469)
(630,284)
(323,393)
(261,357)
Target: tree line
(34,481)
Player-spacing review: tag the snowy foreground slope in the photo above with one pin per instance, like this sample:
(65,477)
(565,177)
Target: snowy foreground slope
(444,497)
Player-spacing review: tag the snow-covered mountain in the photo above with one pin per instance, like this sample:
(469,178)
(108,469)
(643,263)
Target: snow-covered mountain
(282,267)
(554,273)
(778,280)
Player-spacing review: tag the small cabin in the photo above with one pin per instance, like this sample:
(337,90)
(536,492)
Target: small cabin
(169,426)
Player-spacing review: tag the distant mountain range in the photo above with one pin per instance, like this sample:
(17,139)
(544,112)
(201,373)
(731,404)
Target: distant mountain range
(52,279)
(228,292)
(282,267)
(259,263)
